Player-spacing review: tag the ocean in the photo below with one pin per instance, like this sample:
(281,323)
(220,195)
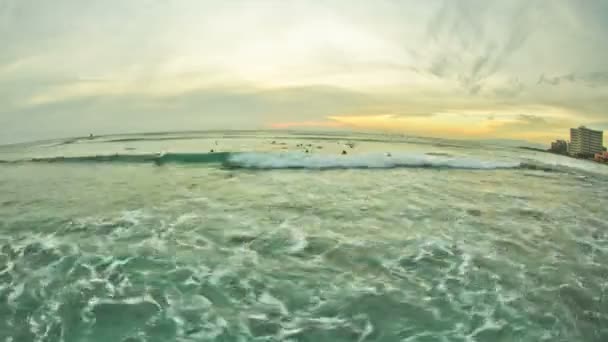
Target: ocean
(279,236)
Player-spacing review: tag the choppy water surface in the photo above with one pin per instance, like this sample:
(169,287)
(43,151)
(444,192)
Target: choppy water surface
(399,240)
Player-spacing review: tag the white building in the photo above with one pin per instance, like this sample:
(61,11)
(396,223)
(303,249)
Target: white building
(585,141)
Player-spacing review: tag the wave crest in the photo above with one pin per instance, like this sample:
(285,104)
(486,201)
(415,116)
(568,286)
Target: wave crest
(358,161)
(298,160)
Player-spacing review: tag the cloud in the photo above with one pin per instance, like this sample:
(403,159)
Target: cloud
(589,79)
(469,48)
(68,66)
(598,125)
(534,127)
(596,79)
(313,124)
(512,88)
(124,111)
(532,119)
(549,80)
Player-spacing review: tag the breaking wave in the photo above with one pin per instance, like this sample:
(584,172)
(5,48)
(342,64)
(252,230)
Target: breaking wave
(294,160)
(360,161)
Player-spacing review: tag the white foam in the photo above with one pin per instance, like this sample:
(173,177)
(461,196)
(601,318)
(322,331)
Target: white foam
(269,300)
(372,160)
(15,293)
(299,241)
(560,162)
(146,298)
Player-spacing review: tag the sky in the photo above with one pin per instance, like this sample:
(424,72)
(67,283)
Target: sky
(512,69)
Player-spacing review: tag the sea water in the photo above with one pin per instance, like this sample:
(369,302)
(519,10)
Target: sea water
(268,236)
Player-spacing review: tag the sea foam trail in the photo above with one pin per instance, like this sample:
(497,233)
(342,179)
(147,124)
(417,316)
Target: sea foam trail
(298,160)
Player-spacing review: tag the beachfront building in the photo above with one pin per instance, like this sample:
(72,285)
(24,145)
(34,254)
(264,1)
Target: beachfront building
(601,157)
(559,146)
(585,142)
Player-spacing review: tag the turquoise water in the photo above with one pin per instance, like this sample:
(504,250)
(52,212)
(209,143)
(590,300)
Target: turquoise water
(154,238)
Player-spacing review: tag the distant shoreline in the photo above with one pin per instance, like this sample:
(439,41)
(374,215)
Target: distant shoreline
(534,149)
